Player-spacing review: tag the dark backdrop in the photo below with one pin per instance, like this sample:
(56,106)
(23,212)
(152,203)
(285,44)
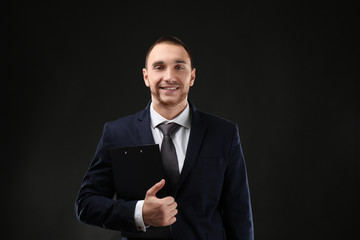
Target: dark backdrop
(284,72)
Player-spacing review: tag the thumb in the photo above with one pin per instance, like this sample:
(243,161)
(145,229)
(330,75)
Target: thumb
(154,189)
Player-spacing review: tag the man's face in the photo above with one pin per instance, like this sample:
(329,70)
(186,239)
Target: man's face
(168,74)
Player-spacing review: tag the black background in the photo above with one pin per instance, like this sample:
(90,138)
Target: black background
(285,72)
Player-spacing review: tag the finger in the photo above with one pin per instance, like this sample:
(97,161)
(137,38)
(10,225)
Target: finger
(172,206)
(168,200)
(172,220)
(173,212)
(154,189)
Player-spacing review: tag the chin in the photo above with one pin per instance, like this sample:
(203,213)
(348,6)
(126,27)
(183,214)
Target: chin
(170,101)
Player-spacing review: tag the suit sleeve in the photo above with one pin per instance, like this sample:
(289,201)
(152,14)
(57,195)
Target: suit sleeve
(237,215)
(95,204)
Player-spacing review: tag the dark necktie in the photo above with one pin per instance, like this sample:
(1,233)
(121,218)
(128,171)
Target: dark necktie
(168,154)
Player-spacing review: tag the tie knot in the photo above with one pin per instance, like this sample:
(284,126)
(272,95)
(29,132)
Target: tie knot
(168,129)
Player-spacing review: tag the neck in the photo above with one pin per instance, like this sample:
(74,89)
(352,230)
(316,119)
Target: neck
(169,111)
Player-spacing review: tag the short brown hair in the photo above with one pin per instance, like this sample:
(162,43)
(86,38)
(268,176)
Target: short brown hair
(172,40)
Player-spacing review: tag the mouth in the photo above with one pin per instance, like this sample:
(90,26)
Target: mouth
(169,88)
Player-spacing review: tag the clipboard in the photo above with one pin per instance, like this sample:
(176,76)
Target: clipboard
(135,170)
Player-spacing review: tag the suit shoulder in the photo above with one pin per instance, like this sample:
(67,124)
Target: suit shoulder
(216,120)
(218,128)
(125,121)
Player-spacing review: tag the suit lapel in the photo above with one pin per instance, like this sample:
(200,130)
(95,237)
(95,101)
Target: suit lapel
(143,127)
(197,133)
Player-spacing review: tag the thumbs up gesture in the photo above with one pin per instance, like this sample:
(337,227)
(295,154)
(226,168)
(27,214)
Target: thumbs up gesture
(158,211)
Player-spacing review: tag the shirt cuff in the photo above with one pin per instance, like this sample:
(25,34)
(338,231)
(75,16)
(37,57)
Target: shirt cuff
(138,216)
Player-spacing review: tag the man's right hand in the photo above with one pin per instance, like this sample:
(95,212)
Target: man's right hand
(158,211)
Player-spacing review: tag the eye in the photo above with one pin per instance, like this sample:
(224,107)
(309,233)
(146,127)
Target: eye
(158,67)
(179,67)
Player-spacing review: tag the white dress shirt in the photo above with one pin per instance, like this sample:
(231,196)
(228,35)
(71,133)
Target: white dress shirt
(180,139)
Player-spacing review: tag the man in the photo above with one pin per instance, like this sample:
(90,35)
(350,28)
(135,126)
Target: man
(210,196)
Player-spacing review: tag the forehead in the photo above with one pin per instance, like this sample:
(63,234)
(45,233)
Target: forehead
(168,52)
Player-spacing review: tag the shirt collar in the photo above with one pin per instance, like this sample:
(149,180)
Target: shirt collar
(183,119)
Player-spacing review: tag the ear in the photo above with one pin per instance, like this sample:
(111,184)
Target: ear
(192,78)
(146,77)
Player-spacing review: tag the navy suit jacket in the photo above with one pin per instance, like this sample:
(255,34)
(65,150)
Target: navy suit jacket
(212,193)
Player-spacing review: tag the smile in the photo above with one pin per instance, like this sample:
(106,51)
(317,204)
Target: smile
(169,88)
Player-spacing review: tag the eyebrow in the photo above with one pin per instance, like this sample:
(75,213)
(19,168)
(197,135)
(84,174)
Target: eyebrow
(162,62)
(180,61)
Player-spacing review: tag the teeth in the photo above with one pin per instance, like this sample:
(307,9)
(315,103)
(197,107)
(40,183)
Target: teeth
(170,88)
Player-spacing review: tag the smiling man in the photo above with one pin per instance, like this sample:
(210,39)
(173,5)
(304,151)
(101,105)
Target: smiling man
(169,74)
(206,181)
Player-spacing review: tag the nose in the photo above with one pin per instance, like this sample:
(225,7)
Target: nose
(169,75)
